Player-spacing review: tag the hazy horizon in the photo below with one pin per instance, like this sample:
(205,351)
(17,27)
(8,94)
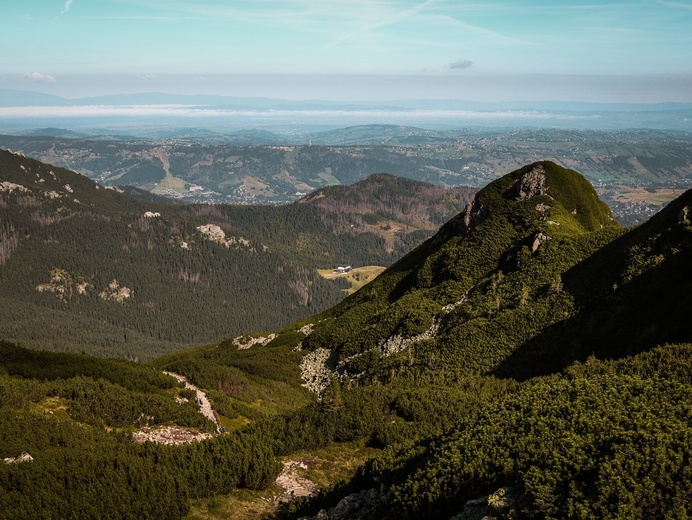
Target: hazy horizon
(633,51)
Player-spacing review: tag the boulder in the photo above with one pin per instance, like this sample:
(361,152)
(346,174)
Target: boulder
(539,239)
(531,184)
(23,457)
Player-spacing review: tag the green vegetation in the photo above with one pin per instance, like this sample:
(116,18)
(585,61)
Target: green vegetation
(614,161)
(531,348)
(252,384)
(597,442)
(502,286)
(83,269)
(357,277)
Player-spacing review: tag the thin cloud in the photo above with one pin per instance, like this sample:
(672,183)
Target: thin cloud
(68,4)
(461,64)
(480,31)
(39,76)
(194,112)
(675,4)
(389,20)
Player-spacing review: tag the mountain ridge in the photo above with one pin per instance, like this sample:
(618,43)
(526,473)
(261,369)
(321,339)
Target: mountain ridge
(64,241)
(462,368)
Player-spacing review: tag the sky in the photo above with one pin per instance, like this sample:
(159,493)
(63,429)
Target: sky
(492,50)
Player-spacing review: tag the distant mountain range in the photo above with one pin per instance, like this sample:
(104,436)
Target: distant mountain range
(288,117)
(635,171)
(92,269)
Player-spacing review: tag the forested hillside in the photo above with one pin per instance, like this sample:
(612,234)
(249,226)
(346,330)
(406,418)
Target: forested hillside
(530,360)
(84,268)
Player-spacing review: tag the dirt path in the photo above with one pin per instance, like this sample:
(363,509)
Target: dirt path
(205,409)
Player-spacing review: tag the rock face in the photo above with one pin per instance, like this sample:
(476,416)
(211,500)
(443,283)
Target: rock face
(500,505)
(539,239)
(114,292)
(24,457)
(9,187)
(397,343)
(169,435)
(474,213)
(685,214)
(369,503)
(531,184)
(65,285)
(245,342)
(216,234)
(314,370)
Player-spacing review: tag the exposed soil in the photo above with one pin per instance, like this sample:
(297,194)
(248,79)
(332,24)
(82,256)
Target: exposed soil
(179,434)
(169,435)
(205,406)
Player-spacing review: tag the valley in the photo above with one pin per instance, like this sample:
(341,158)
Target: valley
(357,277)
(86,269)
(217,170)
(527,357)
(373,260)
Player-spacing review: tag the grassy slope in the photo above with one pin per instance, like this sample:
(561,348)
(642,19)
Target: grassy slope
(496,431)
(181,296)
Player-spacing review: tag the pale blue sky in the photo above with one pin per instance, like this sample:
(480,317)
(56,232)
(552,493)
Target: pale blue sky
(143,44)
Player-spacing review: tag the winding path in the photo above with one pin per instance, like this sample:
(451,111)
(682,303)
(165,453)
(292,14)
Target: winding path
(206,408)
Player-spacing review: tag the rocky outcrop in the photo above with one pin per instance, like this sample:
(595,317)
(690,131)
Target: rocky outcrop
(216,234)
(474,213)
(371,503)
(531,184)
(246,341)
(318,375)
(315,372)
(64,285)
(397,343)
(501,505)
(538,240)
(685,214)
(292,483)
(9,187)
(23,457)
(169,435)
(308,329)
(114,292)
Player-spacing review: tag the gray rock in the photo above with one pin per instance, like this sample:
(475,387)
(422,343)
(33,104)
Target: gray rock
(366,504)
(24,457)
(474,213)
(539,239)
(531,184)
(500,505)
(685,214)
(347,507)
